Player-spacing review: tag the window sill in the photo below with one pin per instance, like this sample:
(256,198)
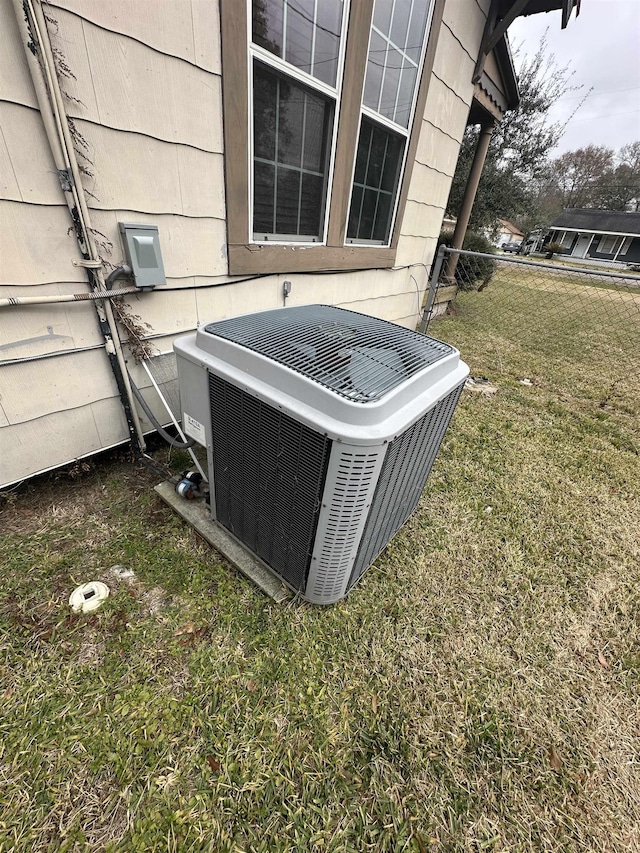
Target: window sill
(249,259)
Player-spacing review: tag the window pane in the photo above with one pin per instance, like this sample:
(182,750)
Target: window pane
(325,57)
(354,210)
(267,21)
(383,217)
(392,69)
(416,30)
(375,64)
(382,15)
(292,126)
(368,214)
(362,154)
(376,180)
(311,202)
(263,197)
(305,33)
(265,97)
(405,95)
(400,23)
(315,136)
(377,153)
(394,53)
(299,43)
(291,103)
(287,201)
(392,162)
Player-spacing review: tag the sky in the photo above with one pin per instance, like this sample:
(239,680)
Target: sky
(602,46)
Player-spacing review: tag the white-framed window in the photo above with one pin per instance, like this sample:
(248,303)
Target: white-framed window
(608,245)
(396,49)
(297,51)
(320,128)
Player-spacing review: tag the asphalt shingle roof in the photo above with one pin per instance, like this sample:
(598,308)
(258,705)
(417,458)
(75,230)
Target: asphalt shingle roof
(587,219)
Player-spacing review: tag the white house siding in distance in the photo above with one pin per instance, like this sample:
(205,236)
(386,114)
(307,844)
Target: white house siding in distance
(143,88)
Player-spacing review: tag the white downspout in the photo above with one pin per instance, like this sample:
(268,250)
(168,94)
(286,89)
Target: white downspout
(56,127)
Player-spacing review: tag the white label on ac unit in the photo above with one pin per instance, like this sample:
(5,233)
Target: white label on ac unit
(193,428)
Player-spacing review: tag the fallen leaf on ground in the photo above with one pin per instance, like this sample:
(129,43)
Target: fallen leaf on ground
(189,628)
(251,686)
(554,759)
(603,661)
(374,703)
(213,763)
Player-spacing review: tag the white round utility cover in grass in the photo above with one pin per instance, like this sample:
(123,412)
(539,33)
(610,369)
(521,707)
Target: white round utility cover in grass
(88,597)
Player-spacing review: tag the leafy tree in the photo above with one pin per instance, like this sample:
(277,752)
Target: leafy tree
(619,189)
(594,176)
(518,152)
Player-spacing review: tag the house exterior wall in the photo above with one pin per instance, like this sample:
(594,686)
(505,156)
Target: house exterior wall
(146,103)
(569,239)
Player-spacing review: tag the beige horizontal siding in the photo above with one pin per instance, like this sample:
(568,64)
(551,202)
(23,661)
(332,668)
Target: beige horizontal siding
(422,220)
(15,82)
(413,250)
(465,20)
(66,382)
(437,149)
(130,86)
(187,29)
(29,156)
(9,188)
(58,438)
(429,186)
(165,312)
(454,66)
(189,246)
(35,245)
(446,110)
(138,172)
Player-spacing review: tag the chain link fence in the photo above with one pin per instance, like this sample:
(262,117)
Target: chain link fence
(573,331)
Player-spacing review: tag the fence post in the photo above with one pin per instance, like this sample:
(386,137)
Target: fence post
(433,288)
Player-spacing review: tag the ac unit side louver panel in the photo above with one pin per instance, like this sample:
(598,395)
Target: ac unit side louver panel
(351,482)
(321,427)
(269,477)
(406,467)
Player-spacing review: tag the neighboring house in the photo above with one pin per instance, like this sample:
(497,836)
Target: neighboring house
(534,242)
(273,141)
(608,235)
(508,233)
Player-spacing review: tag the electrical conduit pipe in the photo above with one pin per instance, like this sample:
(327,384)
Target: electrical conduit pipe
(35,37)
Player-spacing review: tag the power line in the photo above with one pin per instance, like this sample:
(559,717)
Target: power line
(606,115)
(597,94)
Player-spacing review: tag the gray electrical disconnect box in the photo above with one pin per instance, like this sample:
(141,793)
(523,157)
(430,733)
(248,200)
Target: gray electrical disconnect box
(142,246)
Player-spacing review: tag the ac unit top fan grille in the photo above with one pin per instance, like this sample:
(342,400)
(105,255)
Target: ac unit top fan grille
(358,357)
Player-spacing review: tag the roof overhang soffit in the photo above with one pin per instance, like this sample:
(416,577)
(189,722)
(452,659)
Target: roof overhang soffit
(503,13)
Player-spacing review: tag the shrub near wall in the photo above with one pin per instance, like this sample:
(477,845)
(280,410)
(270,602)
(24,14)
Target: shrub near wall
(471,272)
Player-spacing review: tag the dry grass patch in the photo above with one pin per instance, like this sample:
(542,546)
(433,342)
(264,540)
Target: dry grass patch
(479,690)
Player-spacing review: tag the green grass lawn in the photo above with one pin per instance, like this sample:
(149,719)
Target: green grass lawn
(479,690)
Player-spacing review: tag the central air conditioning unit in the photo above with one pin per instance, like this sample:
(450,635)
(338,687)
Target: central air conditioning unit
(321,427)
